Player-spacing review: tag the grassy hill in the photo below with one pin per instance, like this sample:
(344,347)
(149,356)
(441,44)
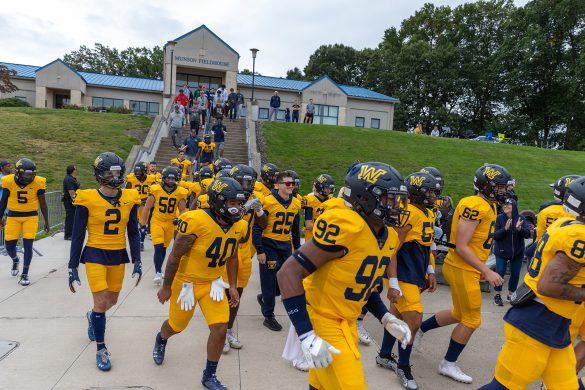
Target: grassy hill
(54,139)
(315,149)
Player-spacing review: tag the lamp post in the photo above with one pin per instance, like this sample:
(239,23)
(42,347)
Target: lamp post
(254,52)
(172,45)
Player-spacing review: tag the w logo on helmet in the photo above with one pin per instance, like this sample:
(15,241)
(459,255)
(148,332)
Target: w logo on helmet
(569,180)
(321,179)
(370,174)
(491,173)
(417,181)
(218,186)
(266,168)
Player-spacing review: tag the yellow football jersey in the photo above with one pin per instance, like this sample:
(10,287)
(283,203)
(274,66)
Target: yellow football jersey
(261,189)
(341,287)
(184,165)
(205,184)
(567,236)
(206,151)
(422,224)
(166,204)
(155,177)
(192,186)
(280,218)
(202,202)
(24,199)
(213,246)
(333,204)
(547,216)
(106,223)
(473,208)
(313,208)
(140,186)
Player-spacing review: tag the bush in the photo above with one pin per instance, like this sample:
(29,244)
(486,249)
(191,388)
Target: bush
(73,107)
(13,102)
(119,110)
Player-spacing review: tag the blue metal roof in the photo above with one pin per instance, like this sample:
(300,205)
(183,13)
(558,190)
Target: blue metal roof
(112,81)
(299,85)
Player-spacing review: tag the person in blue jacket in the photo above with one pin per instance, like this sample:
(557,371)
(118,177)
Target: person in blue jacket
(510,231)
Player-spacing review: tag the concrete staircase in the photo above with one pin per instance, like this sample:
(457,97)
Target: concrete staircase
(235,147)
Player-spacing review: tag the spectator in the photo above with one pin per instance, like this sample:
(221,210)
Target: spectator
(240,103)
(274,106)
(202,107)
(218,112)
(195,121)
(210,104)
(310,112)
(435,132)
(219,96)
(233,99)
(219,131)
(70,185)
(191,145)
(182,99)
(175,122)
(510,231)
(187,93)
(5,169)
(418,129)
(446,211)
(296,108)
(287,114)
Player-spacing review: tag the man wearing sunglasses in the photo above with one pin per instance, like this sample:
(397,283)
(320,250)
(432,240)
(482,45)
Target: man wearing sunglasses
(273,243)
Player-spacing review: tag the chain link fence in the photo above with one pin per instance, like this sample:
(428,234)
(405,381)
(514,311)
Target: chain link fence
(56,216)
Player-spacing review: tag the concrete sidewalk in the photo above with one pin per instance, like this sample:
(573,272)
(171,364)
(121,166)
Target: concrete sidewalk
(48,322)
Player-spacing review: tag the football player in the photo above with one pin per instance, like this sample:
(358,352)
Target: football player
(342,267)
(107,214)
(273,242)
(246,176)
(141,181)
(183,164)
(439,178)
(206,245)
(412,272)
(152,171)
(205,152)
(22,194)
(538,341)
(168,200)
(323,189)
(206,178)
(221,164)
(267,181)
(551,211)
(472,232)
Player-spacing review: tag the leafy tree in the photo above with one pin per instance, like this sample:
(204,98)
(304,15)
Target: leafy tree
(341,63)
(295,74)
(6,86)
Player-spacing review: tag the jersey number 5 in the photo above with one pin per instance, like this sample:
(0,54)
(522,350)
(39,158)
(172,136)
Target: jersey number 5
(21,197)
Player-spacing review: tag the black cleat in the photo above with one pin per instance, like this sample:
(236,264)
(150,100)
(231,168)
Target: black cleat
(272,324)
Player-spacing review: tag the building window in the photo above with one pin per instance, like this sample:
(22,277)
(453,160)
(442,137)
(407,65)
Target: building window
(196,81)
(326,115)
(280,115)
(375,123)
(147,108)
(359,121)
(21,98)
(106,102)
(263,113)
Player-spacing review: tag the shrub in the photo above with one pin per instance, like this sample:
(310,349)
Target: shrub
(13,102)
(119,110)
(73,107)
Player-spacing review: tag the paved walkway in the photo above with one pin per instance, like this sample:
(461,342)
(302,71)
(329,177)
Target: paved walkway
(49,324)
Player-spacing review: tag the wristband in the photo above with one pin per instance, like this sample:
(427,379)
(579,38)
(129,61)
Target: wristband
(394,284)
(296,308)
(260,213)
(430,270)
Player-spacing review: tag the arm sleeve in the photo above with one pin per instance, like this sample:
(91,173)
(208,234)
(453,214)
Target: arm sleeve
(78,236)
(4,201)
(308,213)
(296,232)
(134,235)
(376,306)
(257,237)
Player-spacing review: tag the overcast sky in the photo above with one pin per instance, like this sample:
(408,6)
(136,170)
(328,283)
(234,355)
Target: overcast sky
(287,33)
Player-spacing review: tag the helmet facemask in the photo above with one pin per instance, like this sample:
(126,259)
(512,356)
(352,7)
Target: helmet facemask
(391,206)
(112,178)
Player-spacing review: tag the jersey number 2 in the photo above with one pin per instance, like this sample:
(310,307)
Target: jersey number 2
(108,224)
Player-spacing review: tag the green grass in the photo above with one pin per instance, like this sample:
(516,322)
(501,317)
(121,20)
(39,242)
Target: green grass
(54,139)
(314,149)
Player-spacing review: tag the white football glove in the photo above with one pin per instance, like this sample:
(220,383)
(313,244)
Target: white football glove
(248,205)
(397,328)
(186,297)
(316,350)
(217,292)
(256,204)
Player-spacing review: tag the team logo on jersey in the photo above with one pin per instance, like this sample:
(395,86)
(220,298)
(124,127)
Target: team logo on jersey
(417,181)
(491,173)
(370,174)
(218,186)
